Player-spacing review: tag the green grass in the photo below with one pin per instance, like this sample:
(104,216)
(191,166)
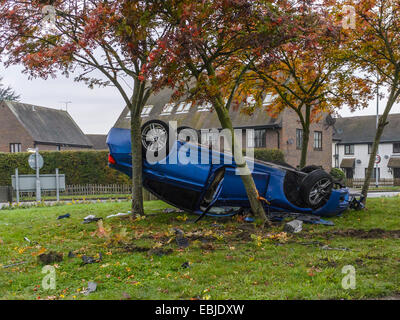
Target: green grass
(226,260)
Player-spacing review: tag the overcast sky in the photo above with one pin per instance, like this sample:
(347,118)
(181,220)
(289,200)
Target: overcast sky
(95,111)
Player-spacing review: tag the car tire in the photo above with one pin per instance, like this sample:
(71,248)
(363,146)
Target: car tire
(155,137)
(194,130)
(309,169)
(316,188)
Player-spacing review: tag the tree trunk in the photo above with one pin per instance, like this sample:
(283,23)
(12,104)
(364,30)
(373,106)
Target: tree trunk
(136,148)
(304,147)
(381,126)
(247,179)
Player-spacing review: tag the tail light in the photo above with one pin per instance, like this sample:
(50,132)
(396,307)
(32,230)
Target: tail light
(111,159)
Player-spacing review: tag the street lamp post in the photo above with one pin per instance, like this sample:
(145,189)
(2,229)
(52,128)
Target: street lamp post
(38,190)
(377,124)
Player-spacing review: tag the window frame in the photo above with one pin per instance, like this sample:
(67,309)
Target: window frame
(318,140)
(146,111)
(183,107)
(351,149)
(167,109)
(394,148)
(260,141)
(13,149)
(206,107)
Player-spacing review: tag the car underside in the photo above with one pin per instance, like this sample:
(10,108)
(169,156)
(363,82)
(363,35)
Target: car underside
(214,187)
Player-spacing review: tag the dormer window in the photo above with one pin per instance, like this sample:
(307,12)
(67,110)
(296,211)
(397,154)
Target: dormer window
(204,107)
(146,111)
(167,110)
(183,107)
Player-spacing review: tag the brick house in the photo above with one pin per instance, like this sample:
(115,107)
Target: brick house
(98,141)
(283,132)
(24,126)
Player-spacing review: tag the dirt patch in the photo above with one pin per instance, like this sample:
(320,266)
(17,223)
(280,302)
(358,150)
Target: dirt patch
(326,263)
(151,252)
(133,248)
(51,257)
(365,234)
(159,252)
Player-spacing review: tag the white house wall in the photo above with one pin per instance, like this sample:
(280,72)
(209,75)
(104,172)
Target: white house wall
(361,153)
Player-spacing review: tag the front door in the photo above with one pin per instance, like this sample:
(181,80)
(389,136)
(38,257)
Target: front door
(349,173)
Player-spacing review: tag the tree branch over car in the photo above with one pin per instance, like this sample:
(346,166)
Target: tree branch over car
(210,46)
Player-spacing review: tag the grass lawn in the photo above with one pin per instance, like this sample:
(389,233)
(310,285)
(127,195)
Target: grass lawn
(227,259)
(87,197)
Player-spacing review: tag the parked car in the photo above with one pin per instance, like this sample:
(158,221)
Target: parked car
(215,187)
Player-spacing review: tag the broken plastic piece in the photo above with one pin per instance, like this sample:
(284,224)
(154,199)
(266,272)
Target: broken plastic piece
(90,219)
(64,216)
(92,287)
(118,215)
(294,226)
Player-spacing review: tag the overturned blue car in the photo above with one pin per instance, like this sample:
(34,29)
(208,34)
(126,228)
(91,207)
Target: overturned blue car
(212,186)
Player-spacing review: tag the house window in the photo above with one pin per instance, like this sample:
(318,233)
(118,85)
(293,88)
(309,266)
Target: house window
(167,109)
(373,176)
(15,147)
(204,107)
(260,137)
(369,148)
(318,140)
(183,107)
(299,138)
(250,138)
(349,149)
(396,147)
(146,111)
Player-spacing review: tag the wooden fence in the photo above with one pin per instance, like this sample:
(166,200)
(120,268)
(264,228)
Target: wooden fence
(358,183)
(95,190)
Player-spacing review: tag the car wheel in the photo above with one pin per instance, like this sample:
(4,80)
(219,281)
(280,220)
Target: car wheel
(309,169)
(194,134)
(316,188)
(155,137)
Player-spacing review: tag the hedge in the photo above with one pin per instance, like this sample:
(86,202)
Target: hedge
(86,167)
(269,155)
(79,167)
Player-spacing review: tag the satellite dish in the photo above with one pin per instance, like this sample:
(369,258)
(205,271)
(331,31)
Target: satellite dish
(330,121)
(290,141)
(359,161)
